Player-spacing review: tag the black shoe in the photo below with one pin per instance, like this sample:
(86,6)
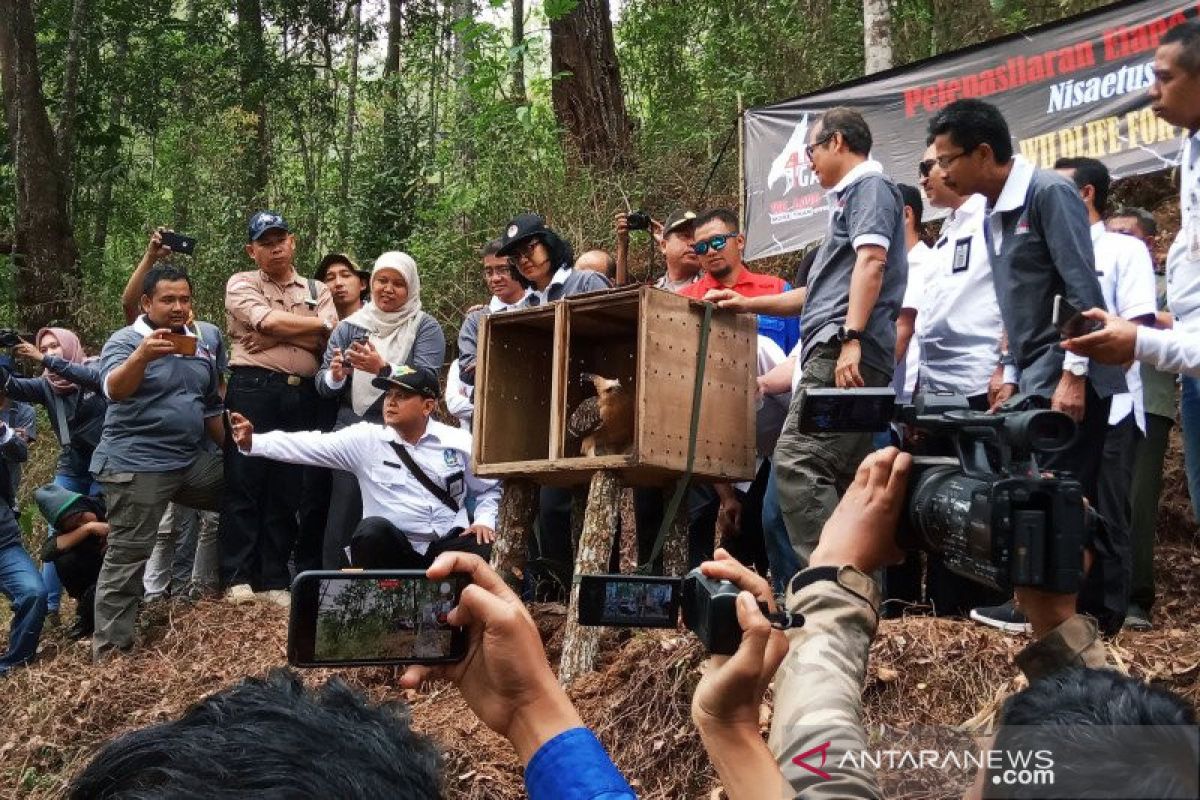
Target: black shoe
(1137,620)
(1005,617)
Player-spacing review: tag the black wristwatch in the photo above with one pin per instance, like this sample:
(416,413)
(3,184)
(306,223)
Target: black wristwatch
(845,334)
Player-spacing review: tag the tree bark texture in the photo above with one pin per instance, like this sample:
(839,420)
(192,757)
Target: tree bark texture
(395,32)
(581,643)
(518,39)
(66,122)
(877,36)
(351,111)
(675,548)
(586,92)
(514,528)
(44,253)
(253,79)
(112,150)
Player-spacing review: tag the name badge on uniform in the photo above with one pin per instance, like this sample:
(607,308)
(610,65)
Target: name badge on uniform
(451,458)
(1193,236)
(454,484)
(962,256)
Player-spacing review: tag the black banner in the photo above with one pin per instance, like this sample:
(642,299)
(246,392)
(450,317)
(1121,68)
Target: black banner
(1077,87)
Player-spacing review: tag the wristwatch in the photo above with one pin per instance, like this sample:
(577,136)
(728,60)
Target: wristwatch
(327,325)
(1079,370)
(845,334)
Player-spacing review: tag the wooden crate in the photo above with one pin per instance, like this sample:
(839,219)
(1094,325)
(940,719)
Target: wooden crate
(527,384)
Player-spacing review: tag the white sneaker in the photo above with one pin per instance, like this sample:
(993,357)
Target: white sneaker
(280,597)
(240,594)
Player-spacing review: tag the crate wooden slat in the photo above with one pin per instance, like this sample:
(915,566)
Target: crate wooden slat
(527,384)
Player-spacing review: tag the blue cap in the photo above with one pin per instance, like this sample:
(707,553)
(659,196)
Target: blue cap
(264,221)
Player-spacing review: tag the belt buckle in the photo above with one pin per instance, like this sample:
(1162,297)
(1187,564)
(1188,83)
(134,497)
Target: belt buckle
(293,380)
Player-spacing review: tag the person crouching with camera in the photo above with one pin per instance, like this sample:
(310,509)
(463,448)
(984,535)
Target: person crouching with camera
(413,471)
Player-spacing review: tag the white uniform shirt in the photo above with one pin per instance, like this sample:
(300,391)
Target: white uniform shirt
(1126,276)
(459,397)
(1183,259)
(904,379)
(959,325)
(388,489)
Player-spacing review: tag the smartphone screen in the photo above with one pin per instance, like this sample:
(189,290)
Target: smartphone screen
(847,410)
(625,601)
(179,243)
(374,618)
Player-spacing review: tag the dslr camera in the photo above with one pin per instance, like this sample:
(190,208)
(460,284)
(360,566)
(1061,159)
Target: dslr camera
(9,337)
(708,606)
(638,221)
(976,495)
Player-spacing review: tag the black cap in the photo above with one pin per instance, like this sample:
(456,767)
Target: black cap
(418,380)
(679,218)
(521,228)
(340,258)
(264,221)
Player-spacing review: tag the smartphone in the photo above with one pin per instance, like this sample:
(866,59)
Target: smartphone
(179,243)
(628,601)
(1070,321)
(368,618)
(185,344)
(833,410)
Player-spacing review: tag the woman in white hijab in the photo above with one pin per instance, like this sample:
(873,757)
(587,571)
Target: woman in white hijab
(390,330)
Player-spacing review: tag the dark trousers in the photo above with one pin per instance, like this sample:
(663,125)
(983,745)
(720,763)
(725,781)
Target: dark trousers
(345,512)
(262,497)
(1143,497)
(378,544)
(78,569)
(314,497)
(1104,592)
(649,505)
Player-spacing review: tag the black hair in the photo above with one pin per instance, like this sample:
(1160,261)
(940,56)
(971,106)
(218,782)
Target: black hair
(164,272)
(491,248)
(1187,36)
(911,196)
(851,125)
(1146,220)
(970,123)
(561,254)
(728,218)
(1089,172)
(1095,723)
(270,738)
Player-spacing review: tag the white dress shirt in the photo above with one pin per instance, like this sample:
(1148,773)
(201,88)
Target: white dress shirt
(959,324)
(388,489)
(904,379)
(1126,275)
(459,397)
(1183,259)
(1170,350)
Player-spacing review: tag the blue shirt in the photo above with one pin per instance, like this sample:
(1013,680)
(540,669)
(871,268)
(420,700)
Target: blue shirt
(574,766)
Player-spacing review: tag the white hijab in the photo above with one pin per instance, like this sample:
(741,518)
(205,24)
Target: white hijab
(391,332)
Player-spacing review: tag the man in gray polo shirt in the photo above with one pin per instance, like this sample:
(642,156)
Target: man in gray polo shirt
(849,333)
(163,393)
(1039,243)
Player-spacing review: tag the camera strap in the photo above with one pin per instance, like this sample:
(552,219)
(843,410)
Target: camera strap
(60,416)
(423,478)
(682,484)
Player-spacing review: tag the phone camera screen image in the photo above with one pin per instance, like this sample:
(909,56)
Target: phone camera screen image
(641,603)
(384,619)
(846,413)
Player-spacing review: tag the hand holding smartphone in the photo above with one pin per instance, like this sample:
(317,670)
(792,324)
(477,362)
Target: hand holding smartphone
(178,242)
(1070,321)
(374,618)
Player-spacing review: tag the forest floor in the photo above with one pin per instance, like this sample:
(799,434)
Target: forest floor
(924,673)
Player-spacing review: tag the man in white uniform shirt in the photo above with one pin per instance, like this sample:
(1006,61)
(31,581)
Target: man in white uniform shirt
(908,349)
(1126,274)
(414,473)
(959,326)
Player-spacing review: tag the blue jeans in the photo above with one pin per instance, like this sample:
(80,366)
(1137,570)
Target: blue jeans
(21,584)
(1189,414)
(780,554)
(86,486)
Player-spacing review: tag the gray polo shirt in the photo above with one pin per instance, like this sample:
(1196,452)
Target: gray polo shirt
(1039,242)
(159,427)
(864,209)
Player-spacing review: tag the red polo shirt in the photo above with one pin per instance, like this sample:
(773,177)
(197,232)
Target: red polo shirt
(749,284)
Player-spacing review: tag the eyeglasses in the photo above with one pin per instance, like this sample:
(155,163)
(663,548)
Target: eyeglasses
(809,148)
(717,243)
(926,167)
(945,161)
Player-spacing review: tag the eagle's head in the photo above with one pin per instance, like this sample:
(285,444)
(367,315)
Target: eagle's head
(604,386)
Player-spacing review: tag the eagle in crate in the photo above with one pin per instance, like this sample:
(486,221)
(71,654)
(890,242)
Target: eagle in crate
(604,423)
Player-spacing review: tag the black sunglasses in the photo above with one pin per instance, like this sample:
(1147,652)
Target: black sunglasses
(926,167)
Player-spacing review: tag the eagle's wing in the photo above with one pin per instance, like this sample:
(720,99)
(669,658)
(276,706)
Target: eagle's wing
(585,419)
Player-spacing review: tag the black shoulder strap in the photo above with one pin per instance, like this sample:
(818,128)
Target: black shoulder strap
(314,291)
(423,478)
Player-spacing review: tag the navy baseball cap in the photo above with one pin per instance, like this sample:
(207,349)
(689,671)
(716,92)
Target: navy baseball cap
(521,228)
(264,221)
(418,380)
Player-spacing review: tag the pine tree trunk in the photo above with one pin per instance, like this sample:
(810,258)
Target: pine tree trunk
(66,122)
(395,32)
(351,116)
(588,101)
(877,36)
(253,78)
(514,528)
(518,38)
(581,643)
(44,252)
(112,151)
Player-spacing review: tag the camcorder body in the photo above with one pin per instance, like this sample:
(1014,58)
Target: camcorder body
(9,337)
(708,606)
(976,495)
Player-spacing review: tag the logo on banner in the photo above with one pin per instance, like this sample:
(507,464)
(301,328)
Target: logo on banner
(792,163)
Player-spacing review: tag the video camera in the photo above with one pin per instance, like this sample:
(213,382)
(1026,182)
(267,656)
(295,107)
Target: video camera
(9,337)
(976,495)
(708,606)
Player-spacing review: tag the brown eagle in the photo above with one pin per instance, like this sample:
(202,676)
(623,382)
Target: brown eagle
(604,423)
